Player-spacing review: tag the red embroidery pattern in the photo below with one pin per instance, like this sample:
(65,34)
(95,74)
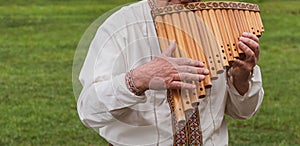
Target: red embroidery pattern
(186,133)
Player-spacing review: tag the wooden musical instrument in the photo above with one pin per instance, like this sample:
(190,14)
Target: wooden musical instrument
(205,31)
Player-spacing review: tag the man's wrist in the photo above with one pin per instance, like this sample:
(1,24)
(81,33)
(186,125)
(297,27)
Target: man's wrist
(240,80)
(132,86)
(240,75)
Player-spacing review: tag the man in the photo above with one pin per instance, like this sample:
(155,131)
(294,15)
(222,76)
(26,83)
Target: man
(125,77)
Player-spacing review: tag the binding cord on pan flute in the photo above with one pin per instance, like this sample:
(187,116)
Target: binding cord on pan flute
(205,31)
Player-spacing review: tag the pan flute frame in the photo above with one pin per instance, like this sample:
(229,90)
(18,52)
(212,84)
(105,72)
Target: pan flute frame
(205,31)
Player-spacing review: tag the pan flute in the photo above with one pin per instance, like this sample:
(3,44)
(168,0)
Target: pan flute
(205,31)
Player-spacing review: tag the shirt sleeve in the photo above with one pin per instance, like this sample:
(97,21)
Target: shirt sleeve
(103,79)
(244,107)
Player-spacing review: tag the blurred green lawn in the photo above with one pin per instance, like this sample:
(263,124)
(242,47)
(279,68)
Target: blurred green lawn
(38,39)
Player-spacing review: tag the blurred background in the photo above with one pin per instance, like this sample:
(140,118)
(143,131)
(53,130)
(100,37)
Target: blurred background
(38,40)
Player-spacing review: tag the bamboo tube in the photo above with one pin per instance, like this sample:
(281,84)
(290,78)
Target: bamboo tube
(238,22)
(256,26)
(170,31)
(233,24)
(243,21)
(186,32)
(162,36)
(233,51)
(251,24)
(192,51)
(190,28)
(181,43)
(178,34)
(162,33)
(199,48)
(194,95)
(235,31)
(259,21)
(246,27)
(178,107)
(216,40)
(227,48)
(240,26)
(206,45)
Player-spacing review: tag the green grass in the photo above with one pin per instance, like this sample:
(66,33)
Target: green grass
(38,39)
(277,122)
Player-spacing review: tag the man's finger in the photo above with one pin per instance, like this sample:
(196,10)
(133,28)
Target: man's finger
(181,85)
(188,61)
(188,77)
(192,69)
(238,62)
(248,52)
(251,36)
(170,50)
(251,44)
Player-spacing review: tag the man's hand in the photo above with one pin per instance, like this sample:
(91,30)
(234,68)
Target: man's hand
(166,72)
(242,68)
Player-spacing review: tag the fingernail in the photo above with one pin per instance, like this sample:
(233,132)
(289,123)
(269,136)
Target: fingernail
(173,43)
(201,63)
(243,39)
(206,71)
(201,77)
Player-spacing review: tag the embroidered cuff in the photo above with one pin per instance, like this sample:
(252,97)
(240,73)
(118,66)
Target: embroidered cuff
(131,86)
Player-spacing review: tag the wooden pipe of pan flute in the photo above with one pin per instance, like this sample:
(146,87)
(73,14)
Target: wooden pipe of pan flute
(235,31)
(231,36)
(256,25)
(161,33)
(196,41)
(259,21)
(214,40)
(224,34)
(192,53)
(206,44)
(182,46)
(178,107)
